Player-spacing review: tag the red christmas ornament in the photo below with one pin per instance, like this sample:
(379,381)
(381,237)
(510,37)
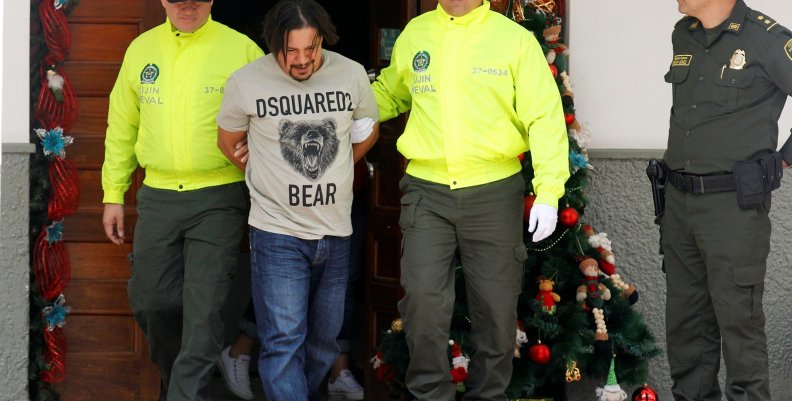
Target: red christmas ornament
(568,217)
(569,118)
(554,70)
(527,205)
(645,393)
(539,353)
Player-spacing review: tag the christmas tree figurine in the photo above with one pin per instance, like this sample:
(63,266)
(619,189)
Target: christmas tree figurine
(611,391)
(546,297)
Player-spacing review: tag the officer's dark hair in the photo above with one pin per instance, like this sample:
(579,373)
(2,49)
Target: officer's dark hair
(290,15)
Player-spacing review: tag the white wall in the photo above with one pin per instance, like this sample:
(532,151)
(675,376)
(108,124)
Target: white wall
(2,78)
(15,71)
(620,51)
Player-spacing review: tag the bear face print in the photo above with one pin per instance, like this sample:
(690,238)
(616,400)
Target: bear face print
(310,147)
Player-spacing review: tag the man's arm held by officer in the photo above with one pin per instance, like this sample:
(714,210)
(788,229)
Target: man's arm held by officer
(364,133)
(229,142)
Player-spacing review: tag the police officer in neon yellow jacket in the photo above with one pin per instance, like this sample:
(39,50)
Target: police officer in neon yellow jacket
(193,204)
(480,93)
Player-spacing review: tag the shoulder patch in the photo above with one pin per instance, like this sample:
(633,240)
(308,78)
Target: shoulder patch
(788,49)
(767,23)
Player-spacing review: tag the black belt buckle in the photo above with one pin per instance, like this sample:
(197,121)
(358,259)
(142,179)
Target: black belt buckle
(682,181)
(701,183)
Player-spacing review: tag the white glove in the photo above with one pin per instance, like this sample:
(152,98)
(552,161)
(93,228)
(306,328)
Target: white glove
(361,129)
(542,221)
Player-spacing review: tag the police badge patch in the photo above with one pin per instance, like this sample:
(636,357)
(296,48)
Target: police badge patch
(149,74)
(682,60)
(420,61)
(788,49)
(738,60)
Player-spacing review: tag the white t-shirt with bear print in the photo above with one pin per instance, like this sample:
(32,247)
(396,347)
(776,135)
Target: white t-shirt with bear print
(300,166)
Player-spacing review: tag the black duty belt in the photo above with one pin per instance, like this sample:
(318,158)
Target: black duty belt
(701,184)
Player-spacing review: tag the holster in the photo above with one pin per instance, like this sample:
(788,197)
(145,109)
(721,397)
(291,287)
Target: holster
(657,172)
(755,179)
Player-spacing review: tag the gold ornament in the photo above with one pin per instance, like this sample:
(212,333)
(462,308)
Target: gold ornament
(572,372)
(517,11)
(545,5)
(500,6)
(397,325)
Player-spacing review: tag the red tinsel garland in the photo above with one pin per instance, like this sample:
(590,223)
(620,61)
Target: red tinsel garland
(55,355)
(49,111)
(56,30)
(65,195)
(51,266)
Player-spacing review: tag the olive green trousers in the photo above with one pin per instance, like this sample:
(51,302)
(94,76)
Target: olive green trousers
(482,227)
(184,257)
(715,261)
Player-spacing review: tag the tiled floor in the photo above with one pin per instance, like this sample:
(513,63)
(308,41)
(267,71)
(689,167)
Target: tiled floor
(221,393)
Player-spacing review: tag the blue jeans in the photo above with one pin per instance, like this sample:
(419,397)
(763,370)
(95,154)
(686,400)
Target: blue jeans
(298,293)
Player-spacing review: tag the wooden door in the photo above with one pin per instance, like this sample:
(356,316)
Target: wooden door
(107,357)
(383,290)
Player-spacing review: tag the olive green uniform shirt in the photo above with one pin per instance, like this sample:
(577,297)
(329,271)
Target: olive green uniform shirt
(724,110)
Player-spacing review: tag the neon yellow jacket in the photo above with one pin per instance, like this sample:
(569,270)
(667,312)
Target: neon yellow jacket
(163,108)
(480,93)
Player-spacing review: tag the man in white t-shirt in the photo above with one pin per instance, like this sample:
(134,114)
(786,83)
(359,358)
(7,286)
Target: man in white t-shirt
(308,114)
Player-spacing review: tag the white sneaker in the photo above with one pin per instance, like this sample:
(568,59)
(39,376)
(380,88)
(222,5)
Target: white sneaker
(236,374)
(345,387)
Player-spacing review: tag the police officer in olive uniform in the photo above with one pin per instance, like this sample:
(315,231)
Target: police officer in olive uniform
(731,73)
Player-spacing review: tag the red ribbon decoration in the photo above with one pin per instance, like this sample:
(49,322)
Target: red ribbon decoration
(56,30)
(55,354)
(65,195)
(51,266)
(51,113)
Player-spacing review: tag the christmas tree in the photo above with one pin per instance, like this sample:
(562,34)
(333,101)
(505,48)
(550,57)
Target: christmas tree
(575,314)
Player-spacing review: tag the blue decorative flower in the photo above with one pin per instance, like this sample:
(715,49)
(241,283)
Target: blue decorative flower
(55,232)
(53,141)
(55,314)
(578,160)
(60,3)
